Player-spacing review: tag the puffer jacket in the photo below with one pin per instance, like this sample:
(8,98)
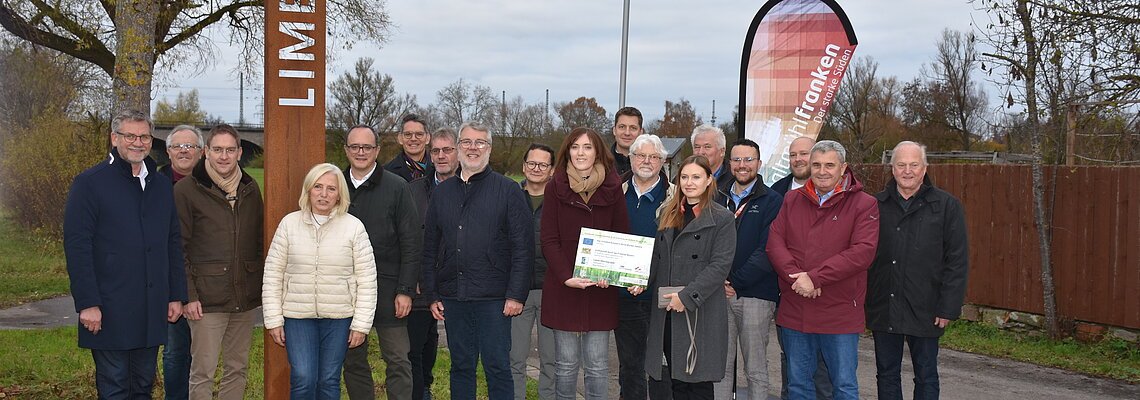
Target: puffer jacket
(320,271)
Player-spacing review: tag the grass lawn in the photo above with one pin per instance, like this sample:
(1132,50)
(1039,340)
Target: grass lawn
(30,268)
(1113,358)
(60,370)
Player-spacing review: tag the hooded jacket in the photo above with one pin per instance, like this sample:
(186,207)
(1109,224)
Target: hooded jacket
(834,244)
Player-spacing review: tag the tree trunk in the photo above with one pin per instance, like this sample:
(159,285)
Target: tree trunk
(135,22)
(1043,231)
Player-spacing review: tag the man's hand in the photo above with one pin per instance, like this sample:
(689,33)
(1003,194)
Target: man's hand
(579,283)
(803,284)
(512,308)
(174,311)
(355,339)
(278,335)
(92,319)
(437,310)
(193,310)
(729,291)
(941,322)
(635,290)
(403,305)
(675,303)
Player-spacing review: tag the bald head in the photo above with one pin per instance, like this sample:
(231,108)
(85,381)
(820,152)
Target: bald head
(799,152)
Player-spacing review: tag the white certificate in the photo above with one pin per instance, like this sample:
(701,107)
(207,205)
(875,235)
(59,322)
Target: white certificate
(620,259)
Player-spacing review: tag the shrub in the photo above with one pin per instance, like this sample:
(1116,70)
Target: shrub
(38,166)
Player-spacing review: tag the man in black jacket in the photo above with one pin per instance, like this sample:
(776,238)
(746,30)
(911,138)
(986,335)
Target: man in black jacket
(917,283)
(382,201)
(412,162)
(627,127)
(478,258)
(709,141)
(799,151)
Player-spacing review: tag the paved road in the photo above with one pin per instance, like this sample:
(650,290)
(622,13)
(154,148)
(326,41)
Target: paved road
(964,376)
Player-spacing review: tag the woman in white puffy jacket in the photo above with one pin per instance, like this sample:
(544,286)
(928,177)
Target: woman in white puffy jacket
(319,292)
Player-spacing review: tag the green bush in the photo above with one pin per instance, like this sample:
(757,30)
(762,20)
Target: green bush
(38,166)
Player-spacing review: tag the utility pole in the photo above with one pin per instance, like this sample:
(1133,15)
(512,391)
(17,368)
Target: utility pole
(503,113)
(241,99)
(546,110)
(624,52)
(714,114)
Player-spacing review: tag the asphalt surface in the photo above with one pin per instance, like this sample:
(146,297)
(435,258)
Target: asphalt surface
(964,376)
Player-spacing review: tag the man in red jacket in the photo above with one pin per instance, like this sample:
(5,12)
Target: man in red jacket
(821,245)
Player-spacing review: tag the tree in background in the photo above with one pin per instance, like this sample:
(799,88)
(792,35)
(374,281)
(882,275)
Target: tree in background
(461,102)
(730,127)
(184,110)
(126,39)
(858,118)
(949,99)
(365,96)
(582,112)
(679,120)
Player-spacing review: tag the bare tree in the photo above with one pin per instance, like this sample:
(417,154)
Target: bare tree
(462,101)
(959,99)
(365,96)
(855,113)
(128,38)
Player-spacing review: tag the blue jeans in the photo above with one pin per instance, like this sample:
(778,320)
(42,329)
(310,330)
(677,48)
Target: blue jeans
(840,352)
(822,382)
(478,330)
(176,361)
(125,374)
(590,351)
(316,350)
(888,365)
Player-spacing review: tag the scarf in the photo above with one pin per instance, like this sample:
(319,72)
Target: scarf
(228,185)
(585,186)
(417,168)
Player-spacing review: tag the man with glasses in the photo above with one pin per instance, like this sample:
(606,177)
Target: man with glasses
(627,127)
(423,329)
(222,215)
(709,141)
(412,162)
(751,285)
(123,245)
(382,201)
(538,168)
(184,148)
(478,258)
(646,191)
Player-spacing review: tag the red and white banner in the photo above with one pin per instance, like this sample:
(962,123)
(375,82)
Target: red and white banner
(795,55)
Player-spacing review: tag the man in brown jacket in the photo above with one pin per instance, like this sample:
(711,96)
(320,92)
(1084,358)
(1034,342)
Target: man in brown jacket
(221,214)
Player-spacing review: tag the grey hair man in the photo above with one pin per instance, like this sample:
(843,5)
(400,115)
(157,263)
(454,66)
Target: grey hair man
(184,148)
(123,246)
(412,162)
(917,283)
(478,259)
(646,191)
(382,201)
(709,141)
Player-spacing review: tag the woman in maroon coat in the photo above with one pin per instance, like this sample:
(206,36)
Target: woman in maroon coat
(584,193)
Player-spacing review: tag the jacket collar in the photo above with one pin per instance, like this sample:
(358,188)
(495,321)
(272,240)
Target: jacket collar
(759,189)
(847,183)
(891,189)
(477,177)
(124,166)
(374,179)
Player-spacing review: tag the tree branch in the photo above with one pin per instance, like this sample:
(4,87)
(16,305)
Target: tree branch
(203,23)
(1012,63)
(94,52)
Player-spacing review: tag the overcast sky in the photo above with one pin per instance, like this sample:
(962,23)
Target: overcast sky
(677,48)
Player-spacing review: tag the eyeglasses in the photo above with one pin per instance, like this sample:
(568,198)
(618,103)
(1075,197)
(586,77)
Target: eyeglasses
(224,150)
(183,147)
(646,157)
(444,150)
(476,144)
(357,148)
(413,134)
(131,138)
(537,166)
(743,159)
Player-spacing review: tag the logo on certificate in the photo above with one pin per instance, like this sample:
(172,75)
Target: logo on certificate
(588,241)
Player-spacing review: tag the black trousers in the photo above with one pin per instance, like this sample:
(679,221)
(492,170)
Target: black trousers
(682,390)
(423,333)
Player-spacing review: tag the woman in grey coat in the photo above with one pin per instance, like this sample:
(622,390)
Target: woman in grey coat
(693,251)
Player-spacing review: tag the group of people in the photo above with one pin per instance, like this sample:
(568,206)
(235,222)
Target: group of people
(437,235)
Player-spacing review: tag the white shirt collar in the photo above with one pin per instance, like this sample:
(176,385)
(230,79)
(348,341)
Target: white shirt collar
(357,182)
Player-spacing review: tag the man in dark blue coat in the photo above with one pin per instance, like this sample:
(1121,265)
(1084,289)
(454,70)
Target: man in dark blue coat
(123,244)
(751,285)
(478,257)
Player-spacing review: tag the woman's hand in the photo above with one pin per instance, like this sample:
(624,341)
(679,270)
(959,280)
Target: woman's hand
(675,303)
(355,339)
(580,283)
(635,290)
(278,335)
(603,284)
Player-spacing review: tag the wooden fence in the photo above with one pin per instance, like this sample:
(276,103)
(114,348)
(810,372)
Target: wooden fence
(1095,221)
